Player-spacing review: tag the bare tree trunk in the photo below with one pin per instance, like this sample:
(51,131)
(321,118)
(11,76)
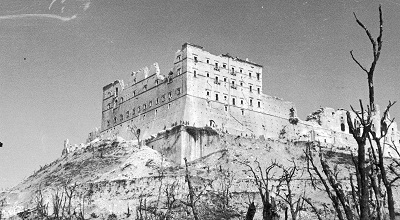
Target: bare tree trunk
(251,211)
(191,192)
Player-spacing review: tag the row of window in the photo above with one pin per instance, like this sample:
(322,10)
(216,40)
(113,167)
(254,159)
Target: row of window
(224,65)
(233,84)
(137,110)
(208,93)
(178,92)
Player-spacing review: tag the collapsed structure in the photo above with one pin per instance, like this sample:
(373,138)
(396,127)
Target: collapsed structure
(217,91)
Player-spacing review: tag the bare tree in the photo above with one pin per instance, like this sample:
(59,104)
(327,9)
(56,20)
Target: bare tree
(136,132)
(286,181)
(192,199)
(364,132)
(262,180)
(370,183)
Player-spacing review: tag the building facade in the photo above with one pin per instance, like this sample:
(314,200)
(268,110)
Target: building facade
(218,91)
(202,89)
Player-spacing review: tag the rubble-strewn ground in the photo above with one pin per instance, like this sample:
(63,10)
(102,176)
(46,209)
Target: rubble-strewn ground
(113,177)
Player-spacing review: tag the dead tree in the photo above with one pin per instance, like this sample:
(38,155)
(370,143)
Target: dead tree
(364,132)
(58,200)
(136,132)
(69,192)
(41,206)
(262,181)
(192,200)
(251,210)
(286,181)
(365,199)
(330,184)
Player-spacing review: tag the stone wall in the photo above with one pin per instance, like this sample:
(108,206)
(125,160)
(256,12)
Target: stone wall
(182,142)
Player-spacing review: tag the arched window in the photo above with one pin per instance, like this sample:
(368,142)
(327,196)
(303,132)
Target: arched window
(342,127)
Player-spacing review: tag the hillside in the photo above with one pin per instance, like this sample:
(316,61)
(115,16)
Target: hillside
(115,177)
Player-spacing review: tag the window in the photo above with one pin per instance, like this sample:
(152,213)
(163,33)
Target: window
(116,91)
(258,76)
(134,93)
(170,95)
(259,104)
(208,61)
(194,73)
(155,112)
(225,97)
(251,88)
(157,101)
(163,98)
(156,81)
(216,80)
(138,109)
(251,102)
(216,97)
(242,112)
(241,101)
(258,90)
(241,83)
(233,101)
(208,75)
(144,115)
(150,103)
(115,120)
(127,114)
(144,106)
(241,71)
(216,65)
(233,82)
(226,108)
(169,105)
(233,69)
(208,93)
(342,127)
(224,79)
(224,65)
(108,123)
(178,57)
(195,59)
(249,75)
(121,100)
(178,91)
(178,71)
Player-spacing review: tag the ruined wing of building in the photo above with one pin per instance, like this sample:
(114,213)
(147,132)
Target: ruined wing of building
(221,92)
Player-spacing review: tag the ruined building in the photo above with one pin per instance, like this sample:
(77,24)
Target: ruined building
(205,90)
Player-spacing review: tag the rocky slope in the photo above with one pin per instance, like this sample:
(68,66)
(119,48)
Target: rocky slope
(112,178)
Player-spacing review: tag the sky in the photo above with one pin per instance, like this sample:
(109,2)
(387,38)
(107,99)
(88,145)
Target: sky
(56,56)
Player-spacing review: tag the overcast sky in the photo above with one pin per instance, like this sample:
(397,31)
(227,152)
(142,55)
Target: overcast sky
(56,55)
